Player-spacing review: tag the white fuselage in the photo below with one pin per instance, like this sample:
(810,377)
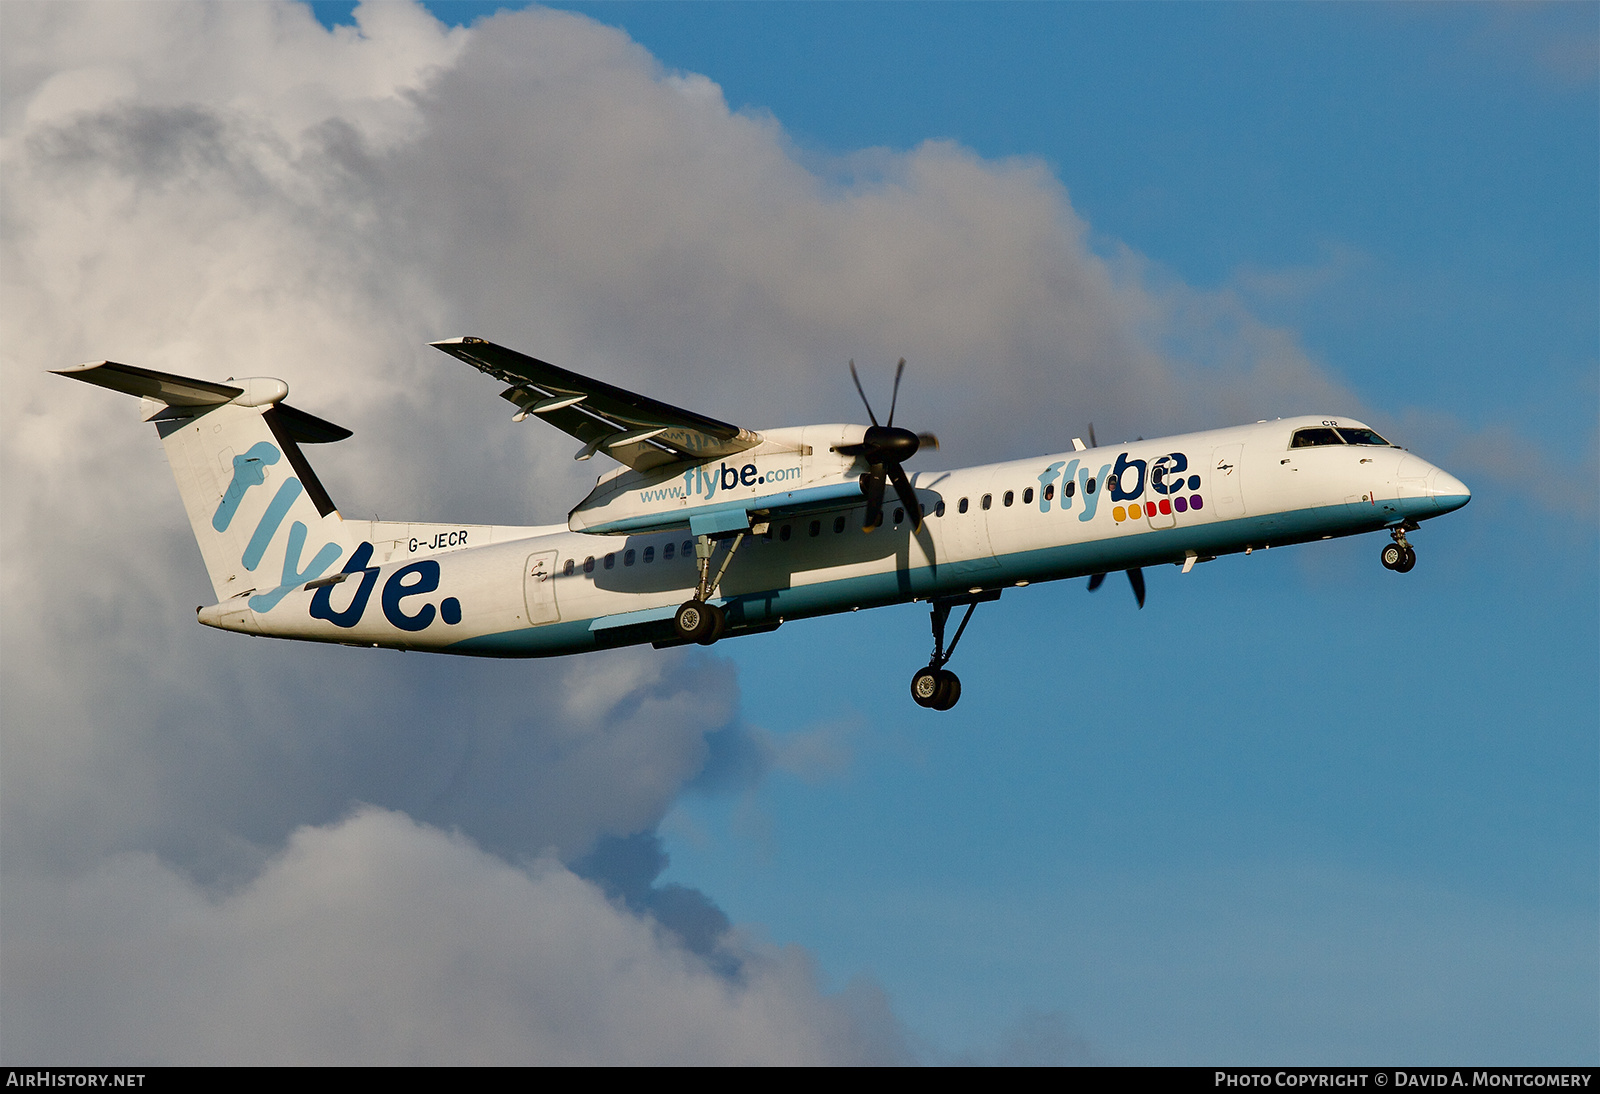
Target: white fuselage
(495,591)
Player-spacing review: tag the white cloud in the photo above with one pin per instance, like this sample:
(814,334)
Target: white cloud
(375,940)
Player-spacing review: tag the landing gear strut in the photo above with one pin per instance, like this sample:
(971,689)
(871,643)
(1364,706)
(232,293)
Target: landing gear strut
(1398,556)
(696,620)
(935,686)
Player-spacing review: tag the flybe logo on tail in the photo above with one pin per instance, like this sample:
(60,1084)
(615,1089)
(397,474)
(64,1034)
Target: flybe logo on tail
(250,471)
(416,579)
(1170,489)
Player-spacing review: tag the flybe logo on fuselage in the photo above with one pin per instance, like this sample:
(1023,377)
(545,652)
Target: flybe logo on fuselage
(1171,489)
(414,579)
(703,482)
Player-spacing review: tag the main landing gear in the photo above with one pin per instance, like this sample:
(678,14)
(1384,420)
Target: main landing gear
(935,686)
(696,620)
(1399,556)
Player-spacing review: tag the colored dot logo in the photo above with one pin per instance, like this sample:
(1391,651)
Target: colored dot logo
(1164,507)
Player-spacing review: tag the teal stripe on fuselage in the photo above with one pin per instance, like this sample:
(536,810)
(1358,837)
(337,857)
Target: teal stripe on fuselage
(1123,552)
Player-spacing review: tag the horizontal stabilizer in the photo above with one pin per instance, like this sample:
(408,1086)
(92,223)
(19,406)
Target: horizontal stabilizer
(149,384)
(308,428)
(187,392)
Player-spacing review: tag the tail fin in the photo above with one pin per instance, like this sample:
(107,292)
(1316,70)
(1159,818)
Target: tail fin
(263,520)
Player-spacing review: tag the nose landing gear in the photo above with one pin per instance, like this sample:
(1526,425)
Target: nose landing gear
(1398,556)
(935,686)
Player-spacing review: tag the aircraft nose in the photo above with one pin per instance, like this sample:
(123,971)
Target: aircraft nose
(1447,491)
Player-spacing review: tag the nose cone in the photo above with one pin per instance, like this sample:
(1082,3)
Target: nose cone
(1447,491)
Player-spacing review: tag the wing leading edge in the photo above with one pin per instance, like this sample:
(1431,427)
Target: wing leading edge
(641,432)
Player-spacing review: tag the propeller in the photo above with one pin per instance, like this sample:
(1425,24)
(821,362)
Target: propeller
(1135,578)
(885,447)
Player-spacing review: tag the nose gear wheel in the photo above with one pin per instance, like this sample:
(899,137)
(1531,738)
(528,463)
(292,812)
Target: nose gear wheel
(1398,556)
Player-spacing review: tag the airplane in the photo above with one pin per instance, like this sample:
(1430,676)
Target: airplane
(707,530)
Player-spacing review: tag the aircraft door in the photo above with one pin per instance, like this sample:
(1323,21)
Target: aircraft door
(1226,485)
(539,588)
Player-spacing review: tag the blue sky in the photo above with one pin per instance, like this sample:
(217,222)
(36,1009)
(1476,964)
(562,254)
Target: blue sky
(1297,809)
(1412,191)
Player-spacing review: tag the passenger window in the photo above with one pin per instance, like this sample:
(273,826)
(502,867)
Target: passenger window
(627,557)
(1111,482)
(688,548)
(988,500)
(1314,438)
(783,533)
(588,565)
(1009,498)
(666,552)
(611,561)
(899,515)
(1068,488)
(961,506)
(1050,492)
(1027,496)
(649,554)
(1088,487)
(838,524)
(816,528)
(566,571)
(938,510)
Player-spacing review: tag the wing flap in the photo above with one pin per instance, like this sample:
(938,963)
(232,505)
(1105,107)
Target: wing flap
(636,430)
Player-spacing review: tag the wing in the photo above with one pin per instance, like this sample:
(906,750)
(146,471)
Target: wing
(641,432)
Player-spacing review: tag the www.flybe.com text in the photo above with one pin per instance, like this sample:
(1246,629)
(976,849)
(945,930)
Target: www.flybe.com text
(699,481)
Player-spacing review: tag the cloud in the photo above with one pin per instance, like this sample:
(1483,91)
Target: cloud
(231,190)
(376,940)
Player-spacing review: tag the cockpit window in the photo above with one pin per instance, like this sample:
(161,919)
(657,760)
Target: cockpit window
(1311,438)
(1355,435)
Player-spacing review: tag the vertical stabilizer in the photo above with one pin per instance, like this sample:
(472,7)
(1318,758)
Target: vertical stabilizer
(263,521)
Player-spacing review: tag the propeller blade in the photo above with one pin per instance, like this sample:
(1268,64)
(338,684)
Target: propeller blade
(874,484)
(861,392)
(908,496)
(884,448)
(895,398)
(1136,579)
(1095,581)
(1092,442)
